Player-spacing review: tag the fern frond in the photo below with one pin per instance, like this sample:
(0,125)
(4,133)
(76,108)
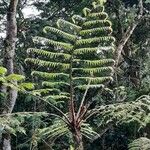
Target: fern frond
(92,86)
(96,31)
(60,33)
(88,132)
(77,19)
(95,23)
(81,51)
(43,63)
(86,11)
(126,113)
(142,143)
(51,76)
(48,54)
(54,84)
(100,15)
(58,128)
(81,56)
(94,80)
(45,41)
(96,63)
(63,23)
(57,97)
(96,40)
(45,91)
(92,71)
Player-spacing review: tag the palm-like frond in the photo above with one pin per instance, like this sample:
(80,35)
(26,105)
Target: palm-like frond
(67,64)
(81,37)
(124,113)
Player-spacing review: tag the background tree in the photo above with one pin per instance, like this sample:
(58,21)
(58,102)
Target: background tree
(8,62)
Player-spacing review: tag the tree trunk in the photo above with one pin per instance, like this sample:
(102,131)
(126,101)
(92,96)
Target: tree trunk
(129,32)
(8,63)
(78,143)
(6,142)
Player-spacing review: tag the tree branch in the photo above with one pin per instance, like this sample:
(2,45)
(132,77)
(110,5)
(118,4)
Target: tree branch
(129,32)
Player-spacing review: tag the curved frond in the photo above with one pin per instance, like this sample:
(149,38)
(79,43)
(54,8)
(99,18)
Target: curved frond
(60,33)
(72,27)
(48,54)
(45,41)
(42,63)
(142,143)
(88,132)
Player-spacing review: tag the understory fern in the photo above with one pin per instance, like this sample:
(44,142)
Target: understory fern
(74,56)
(137,112)
(142,143)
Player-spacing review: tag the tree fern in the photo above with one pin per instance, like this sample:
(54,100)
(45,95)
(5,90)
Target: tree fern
(137,112)
(74,55)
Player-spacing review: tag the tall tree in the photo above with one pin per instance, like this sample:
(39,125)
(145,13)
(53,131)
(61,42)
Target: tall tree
(8,62)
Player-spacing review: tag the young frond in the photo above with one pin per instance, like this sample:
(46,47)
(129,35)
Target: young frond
(96,63)
(40,92)
(95,40)
(94,80)
(52,76)
(93,71)
(55,98)
(54,84)
(91,86)
(43,63)
(99,15)
(83,51)
(71,26)
(95,23)
(48,54)
(96,31)
(60,33)
(77,58)
(45,41)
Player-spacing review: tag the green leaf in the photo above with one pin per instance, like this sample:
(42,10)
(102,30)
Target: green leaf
(15,77)
(28,86)
(3,71)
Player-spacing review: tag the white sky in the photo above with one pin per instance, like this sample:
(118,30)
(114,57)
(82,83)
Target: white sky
(28,11)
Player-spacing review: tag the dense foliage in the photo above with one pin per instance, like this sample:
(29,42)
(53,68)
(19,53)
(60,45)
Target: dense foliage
(73,62)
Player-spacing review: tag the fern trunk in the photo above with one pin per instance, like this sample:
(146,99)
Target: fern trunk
(78,143)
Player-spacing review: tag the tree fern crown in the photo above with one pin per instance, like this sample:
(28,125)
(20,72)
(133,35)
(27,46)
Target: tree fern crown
(66,53)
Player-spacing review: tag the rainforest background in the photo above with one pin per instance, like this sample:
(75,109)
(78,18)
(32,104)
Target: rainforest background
(123,119)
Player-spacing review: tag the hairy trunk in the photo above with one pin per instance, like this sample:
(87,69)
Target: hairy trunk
(8,62)
(78,143)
